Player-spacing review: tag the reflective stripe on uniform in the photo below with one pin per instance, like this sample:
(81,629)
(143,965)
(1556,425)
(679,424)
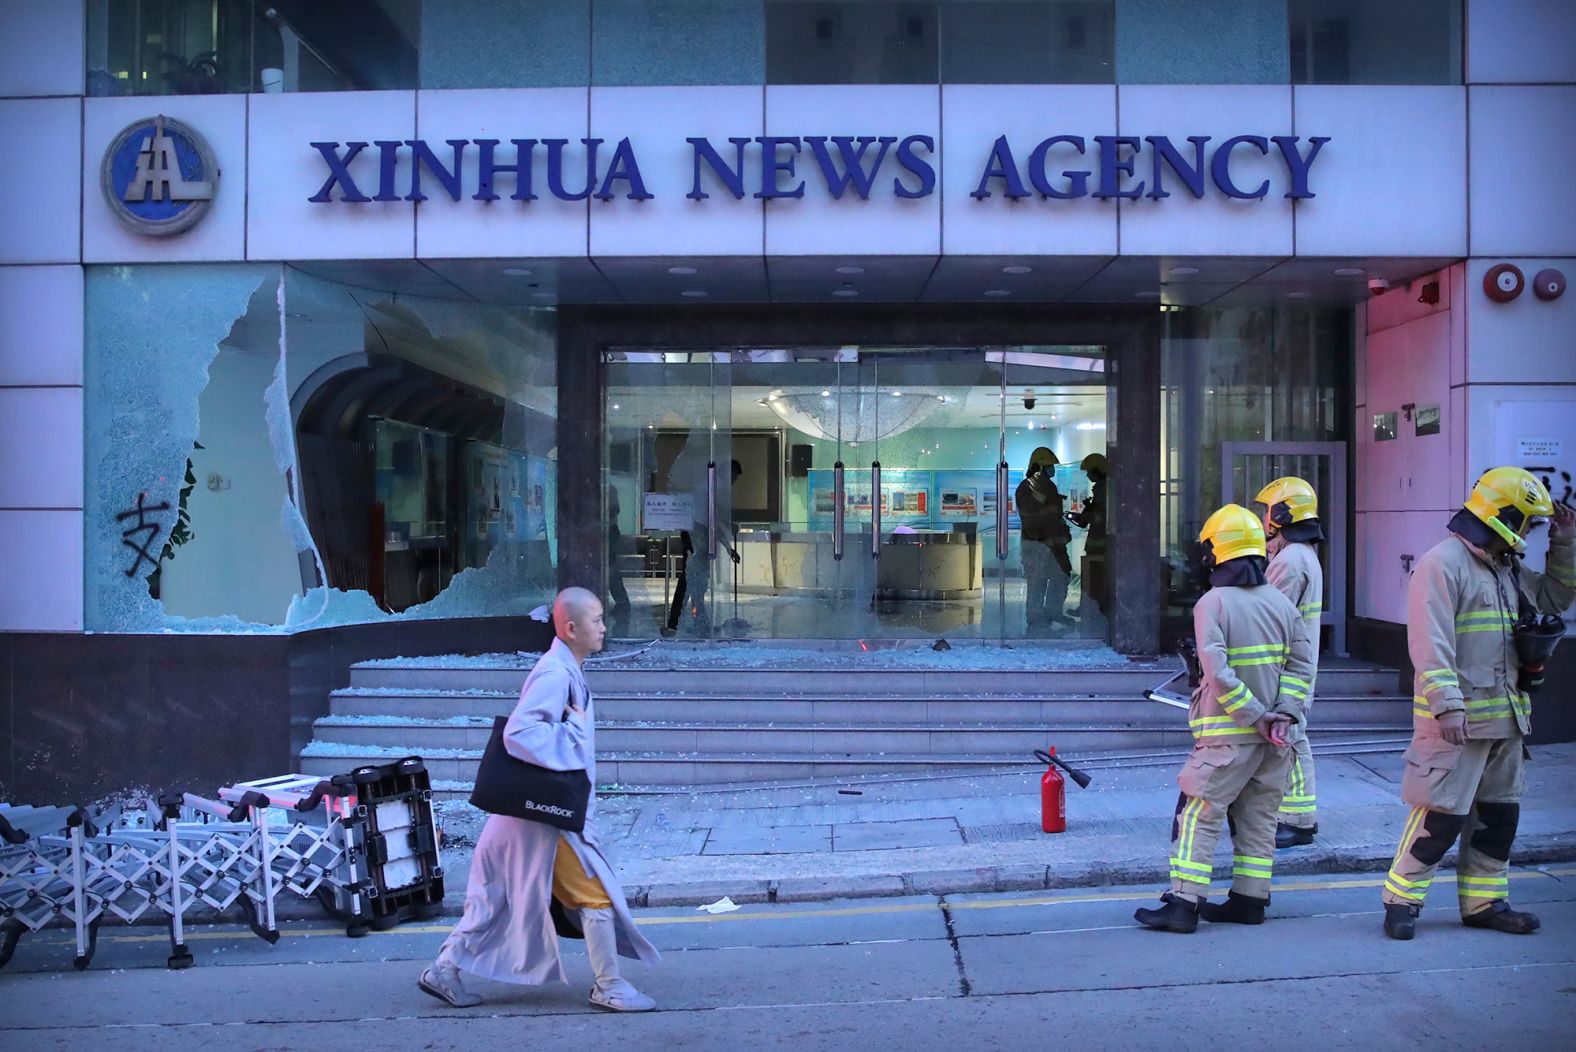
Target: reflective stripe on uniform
(1251,866)
(1394,882)
(1259,654)
(1298,801)
(1218,727)
(1294,686)
(1237,697)
(1483,621)
(1184,868)
(1482,883)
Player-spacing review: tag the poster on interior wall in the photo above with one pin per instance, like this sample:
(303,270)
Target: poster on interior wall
(966,495)
(533,500)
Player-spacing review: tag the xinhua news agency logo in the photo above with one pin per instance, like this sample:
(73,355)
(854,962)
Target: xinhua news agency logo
(159,177)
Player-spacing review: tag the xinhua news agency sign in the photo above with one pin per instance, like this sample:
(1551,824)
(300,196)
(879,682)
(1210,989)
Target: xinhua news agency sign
(1061,167)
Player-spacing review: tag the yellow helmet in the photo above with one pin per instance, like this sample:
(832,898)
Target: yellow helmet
(1231,533)
(1095,462)
(1042,457)
(1287,500)
(1507,500)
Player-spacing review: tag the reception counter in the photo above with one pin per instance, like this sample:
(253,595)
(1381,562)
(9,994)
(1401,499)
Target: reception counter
(925,564)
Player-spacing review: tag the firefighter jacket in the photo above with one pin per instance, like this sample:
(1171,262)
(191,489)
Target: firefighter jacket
(1040,506)
(1460,606)
(1256,657)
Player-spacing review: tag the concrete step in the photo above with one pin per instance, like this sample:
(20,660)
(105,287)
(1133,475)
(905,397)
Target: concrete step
(455,772)
(790,709)
(1129,681)
(420,737)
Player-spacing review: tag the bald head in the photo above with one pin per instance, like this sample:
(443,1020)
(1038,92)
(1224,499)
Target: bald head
(577,621)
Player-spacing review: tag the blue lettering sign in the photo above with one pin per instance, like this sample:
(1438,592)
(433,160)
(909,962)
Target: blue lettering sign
(845,162)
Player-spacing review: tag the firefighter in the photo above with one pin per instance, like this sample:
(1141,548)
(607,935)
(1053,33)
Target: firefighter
(1291,531)
(1047,570)
(1092,517)
(1257,664)
(1468,600)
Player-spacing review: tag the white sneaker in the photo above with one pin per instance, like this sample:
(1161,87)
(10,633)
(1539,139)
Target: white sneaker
(443,982)
(620,996)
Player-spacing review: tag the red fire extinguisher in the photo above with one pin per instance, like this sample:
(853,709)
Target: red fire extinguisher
(1053,790)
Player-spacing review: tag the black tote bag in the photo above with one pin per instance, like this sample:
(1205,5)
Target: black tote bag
(507,785)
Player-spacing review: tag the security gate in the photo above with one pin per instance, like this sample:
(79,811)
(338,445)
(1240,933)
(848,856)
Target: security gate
(1247,467)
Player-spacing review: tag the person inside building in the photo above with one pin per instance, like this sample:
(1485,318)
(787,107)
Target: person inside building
(1257,666)
(615,548)
(1467,602)
(531,882)
(694,573)
(1292,534)
(1092,517)
(1044,534)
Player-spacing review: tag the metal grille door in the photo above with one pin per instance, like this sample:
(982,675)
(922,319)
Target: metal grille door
(1247,467)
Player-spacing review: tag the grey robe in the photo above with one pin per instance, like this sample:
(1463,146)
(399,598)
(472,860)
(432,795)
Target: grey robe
(507,933)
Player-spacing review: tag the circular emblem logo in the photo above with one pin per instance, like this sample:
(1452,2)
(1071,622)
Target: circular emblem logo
(159,177)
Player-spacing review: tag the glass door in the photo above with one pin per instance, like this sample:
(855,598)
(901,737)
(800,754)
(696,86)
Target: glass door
(670,541)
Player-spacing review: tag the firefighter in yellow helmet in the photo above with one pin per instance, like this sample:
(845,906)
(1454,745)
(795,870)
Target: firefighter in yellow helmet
(1044,536)
(1292,531)
(1257,664)
(1478,630)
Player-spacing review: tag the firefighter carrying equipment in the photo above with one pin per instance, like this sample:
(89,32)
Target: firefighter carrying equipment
(1231,533)
(1510,501)
(1462,605)
(1287,500)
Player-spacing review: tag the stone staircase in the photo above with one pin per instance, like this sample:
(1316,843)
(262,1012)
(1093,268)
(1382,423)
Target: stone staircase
(712,726)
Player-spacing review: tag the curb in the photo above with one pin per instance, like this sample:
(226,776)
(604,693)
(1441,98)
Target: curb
(1531,851)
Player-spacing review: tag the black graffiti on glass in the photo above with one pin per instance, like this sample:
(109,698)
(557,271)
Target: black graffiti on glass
(144,547)
(1546,475)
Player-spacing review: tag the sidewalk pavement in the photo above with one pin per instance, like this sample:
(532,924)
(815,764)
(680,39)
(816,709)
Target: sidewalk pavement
(956,835)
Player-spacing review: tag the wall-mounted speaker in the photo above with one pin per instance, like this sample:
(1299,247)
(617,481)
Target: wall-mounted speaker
(799,461)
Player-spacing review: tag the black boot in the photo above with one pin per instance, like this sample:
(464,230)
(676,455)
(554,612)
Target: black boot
(1237,909)
(1293,836)
(1400,920)
(1178,915)
(1501,917)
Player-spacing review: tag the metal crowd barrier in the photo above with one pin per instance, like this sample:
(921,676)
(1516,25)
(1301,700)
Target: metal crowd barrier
(363,845)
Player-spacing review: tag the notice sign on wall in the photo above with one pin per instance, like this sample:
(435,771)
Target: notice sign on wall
(668,511)
(1540,449)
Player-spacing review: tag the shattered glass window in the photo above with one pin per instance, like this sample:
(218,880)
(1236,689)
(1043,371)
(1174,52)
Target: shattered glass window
(268,450)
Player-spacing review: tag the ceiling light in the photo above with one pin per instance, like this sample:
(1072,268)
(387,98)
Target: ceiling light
(1182,272)
(850,270)
(615,405)
(1349,272)
(997,293)
(1298,295)
(517,272)
(941,398)
(826,394)
(897,394)
(681,270)
(1148,294)
(1031,425)
(1017,270)
(1092,425)
(693,294)
(845,292)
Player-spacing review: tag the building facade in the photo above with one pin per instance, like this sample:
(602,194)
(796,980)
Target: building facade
(331,331)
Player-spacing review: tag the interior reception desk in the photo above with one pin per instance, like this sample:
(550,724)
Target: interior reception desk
(924,564)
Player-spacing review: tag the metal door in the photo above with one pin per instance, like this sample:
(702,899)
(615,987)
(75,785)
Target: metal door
(1247,467)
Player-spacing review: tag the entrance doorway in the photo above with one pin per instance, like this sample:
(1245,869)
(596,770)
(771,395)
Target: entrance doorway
(868,492)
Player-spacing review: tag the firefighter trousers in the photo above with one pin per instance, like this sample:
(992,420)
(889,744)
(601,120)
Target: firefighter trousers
(1471,791)
(1245,782)
(1299,805)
